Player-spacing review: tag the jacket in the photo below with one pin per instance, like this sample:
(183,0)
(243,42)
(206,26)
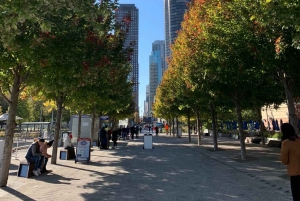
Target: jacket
(33,150)
(290,156)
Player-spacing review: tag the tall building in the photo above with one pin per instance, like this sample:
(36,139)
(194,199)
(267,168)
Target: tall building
(174,12)
(146,105)
(156,66)
(132,38)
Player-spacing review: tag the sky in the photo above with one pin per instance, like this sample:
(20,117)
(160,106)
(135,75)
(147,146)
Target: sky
(151,28)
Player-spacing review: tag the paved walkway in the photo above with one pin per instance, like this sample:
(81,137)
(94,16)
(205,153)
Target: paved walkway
(174,170)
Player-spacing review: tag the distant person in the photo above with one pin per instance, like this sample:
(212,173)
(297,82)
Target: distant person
(123,132)
(149,128)
(114,138)
(132,131)
(127,132)
(137,131)
(34,155)
(290,156)
(156,130)
(167,129)
(109,133)
(68,145)
(103,138)
(140,129)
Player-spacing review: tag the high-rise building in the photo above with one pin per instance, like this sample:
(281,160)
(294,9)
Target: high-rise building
(132,38)
(156,66)
(146,106)
(174,12)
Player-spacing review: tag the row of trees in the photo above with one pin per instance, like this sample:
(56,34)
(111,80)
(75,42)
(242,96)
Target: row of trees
(233,56)
(70,52)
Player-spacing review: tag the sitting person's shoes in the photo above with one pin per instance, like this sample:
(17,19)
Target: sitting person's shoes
(35,172)
(39,171)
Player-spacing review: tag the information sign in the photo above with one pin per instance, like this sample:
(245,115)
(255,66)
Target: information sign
(83,149)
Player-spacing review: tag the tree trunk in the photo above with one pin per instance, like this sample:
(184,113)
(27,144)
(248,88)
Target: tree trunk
(189,123)
(258,111)
(177,127)
(93,126)
(240,125)
(9,132)
(198,127)
(173,124)
(214,127)
(79,124)
(59,104)
(291,106)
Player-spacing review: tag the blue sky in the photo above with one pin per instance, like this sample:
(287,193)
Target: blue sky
(151,28)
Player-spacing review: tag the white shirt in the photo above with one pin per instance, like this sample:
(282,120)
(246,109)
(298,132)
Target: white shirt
(67,142)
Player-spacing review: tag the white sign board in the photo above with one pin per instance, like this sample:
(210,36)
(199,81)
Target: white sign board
(83,149)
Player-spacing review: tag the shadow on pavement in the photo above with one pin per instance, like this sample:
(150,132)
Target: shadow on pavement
(16,194)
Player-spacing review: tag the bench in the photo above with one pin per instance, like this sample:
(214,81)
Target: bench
(274,143)
(25,169)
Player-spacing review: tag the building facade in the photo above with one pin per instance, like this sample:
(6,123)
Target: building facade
(132,38)
(156,66)
(174,12)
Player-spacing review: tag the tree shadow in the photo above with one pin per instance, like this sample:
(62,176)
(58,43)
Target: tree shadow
(16,194)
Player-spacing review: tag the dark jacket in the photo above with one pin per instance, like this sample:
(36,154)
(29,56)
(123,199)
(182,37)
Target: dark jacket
(115,135)
(102,134)
(132,130)
(33,150)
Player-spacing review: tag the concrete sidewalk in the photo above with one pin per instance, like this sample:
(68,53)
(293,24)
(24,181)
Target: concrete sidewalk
(174,170)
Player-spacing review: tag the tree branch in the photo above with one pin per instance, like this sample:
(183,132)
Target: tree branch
(3,95)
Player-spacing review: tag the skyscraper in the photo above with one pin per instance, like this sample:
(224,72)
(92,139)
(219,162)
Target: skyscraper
(156,66)
(174,12)
(132,38)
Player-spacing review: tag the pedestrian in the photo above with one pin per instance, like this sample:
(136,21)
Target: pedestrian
(103,138)
(114,138)
(156,130)
(137,131)
(167,129)
(290,156)
(132,131)
(123,132)
(109,133)
(149,128)
(140,129)
(127,132)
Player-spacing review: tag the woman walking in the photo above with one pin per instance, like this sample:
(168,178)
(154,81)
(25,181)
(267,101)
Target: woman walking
(290,156)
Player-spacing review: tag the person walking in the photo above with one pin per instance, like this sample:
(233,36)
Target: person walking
(114,138)
(149,128)
(127,132)
(156,130)
(167,129)
(290,156)
(137,131)
(132,131)
(123,132)
(103,138)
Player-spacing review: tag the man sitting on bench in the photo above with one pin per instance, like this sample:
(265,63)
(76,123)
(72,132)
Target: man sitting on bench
(68,145)
(34,155)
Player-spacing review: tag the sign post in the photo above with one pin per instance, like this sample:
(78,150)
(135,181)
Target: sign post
(83,152)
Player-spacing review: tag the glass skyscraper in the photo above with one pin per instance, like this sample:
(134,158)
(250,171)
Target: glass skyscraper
(174,12)
(156,66)
(132,37)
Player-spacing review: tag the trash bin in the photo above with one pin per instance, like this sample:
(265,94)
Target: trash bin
(179,134)
(148,142)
